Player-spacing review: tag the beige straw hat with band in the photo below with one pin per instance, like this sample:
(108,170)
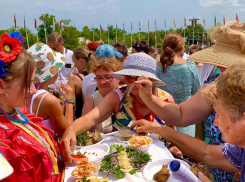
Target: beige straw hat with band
(229,46)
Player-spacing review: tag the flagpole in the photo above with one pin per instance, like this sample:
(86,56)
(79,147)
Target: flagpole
(108,35)
(156,38)
(45,29)
(123,35)
(26,31)
(93,32)
(116,34)
(100,34)
(193,22)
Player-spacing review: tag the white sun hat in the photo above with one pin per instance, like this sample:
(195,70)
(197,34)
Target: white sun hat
(139,64)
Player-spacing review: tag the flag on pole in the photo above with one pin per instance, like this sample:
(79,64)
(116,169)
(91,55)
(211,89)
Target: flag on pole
(215,20)
(224,19)
(116,26)
(24,21)
(165,24)
(123,26)
(35,22)
(15,23)
(174,23)
(139,26)
(237,19)
(44,22)
(185,22)
(148,25)
(204,22)
(101,29)
(53,25)
(131,26)
(60,25)
(155,24)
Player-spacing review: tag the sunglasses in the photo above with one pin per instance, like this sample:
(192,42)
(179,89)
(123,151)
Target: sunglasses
(155,54)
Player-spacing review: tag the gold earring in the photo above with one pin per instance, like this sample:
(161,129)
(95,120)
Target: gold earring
(7,101)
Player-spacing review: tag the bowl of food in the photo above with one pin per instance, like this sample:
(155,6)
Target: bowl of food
(140,143)
(86,139)
(79,157)
(85,169)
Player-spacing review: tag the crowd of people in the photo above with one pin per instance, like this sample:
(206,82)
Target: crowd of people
(194,100)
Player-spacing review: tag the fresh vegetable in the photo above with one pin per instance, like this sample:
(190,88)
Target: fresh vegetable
(83,138)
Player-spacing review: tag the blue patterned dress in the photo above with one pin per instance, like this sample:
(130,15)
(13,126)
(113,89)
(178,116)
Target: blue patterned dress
(181,82)
(215,137)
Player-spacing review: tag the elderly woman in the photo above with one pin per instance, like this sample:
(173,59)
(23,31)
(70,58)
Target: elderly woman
(227,96)
(229,48)
(106,84)
(133,108)
(25,142)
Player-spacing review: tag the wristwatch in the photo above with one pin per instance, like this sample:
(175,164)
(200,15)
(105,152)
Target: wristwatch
(70,101)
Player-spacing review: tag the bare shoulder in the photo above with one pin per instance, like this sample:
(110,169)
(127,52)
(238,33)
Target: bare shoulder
(159,63)
(50,100)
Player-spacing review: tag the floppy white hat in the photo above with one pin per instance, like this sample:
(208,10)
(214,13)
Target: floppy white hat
(139,64)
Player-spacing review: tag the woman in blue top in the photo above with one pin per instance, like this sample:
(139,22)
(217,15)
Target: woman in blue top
(180,75)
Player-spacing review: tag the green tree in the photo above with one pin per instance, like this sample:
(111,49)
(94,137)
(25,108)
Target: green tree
(49,26)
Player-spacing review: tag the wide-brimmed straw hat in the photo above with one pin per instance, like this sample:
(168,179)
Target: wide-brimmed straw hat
(229,46)
(49,63)
(139,64)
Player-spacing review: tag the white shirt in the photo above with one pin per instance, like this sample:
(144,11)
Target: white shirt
(185,56)
(63,74)
(88,85)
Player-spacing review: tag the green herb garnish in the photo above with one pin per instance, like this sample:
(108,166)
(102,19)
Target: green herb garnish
(133,171)
(85,180)
(83,139)
(118,172)
(106,163)
(119,148)
(80,153)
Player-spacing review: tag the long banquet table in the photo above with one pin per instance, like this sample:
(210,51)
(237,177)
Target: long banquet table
(157,151)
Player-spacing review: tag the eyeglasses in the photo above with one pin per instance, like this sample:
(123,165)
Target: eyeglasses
(155,54)
(106,78)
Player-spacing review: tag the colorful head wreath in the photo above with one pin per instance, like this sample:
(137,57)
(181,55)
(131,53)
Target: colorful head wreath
(9,49)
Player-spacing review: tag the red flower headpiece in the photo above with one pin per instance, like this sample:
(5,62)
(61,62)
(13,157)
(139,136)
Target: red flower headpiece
(9,48)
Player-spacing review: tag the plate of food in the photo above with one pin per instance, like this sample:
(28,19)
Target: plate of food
(86,139)
(94,153)
(124,133)
(158,171)
(123,160)
(93,179)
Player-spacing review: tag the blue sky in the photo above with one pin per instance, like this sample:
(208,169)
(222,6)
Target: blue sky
(89,12)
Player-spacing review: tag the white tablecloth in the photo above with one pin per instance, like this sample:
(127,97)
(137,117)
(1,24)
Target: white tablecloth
(157,151)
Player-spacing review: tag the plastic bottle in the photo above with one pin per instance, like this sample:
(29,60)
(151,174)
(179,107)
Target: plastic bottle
(182,173)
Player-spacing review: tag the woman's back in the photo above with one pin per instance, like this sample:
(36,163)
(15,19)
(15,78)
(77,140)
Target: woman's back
(181,80)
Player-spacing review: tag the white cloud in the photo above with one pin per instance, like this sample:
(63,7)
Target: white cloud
(222,3)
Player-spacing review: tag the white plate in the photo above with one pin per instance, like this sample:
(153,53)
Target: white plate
(153,167)
(95,152)
(103,136)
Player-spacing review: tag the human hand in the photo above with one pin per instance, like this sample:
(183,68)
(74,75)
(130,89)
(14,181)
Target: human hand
(67,144)
(145,87)
(176,151)
(68,93)
(144,126)
(202,177)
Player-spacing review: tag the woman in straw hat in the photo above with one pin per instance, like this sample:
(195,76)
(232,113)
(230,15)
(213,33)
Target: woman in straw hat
(44,104)
(25,142)
(227,96)
(229,48)
(133,108)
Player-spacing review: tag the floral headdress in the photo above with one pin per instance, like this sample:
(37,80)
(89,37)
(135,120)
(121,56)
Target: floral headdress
(10,47)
